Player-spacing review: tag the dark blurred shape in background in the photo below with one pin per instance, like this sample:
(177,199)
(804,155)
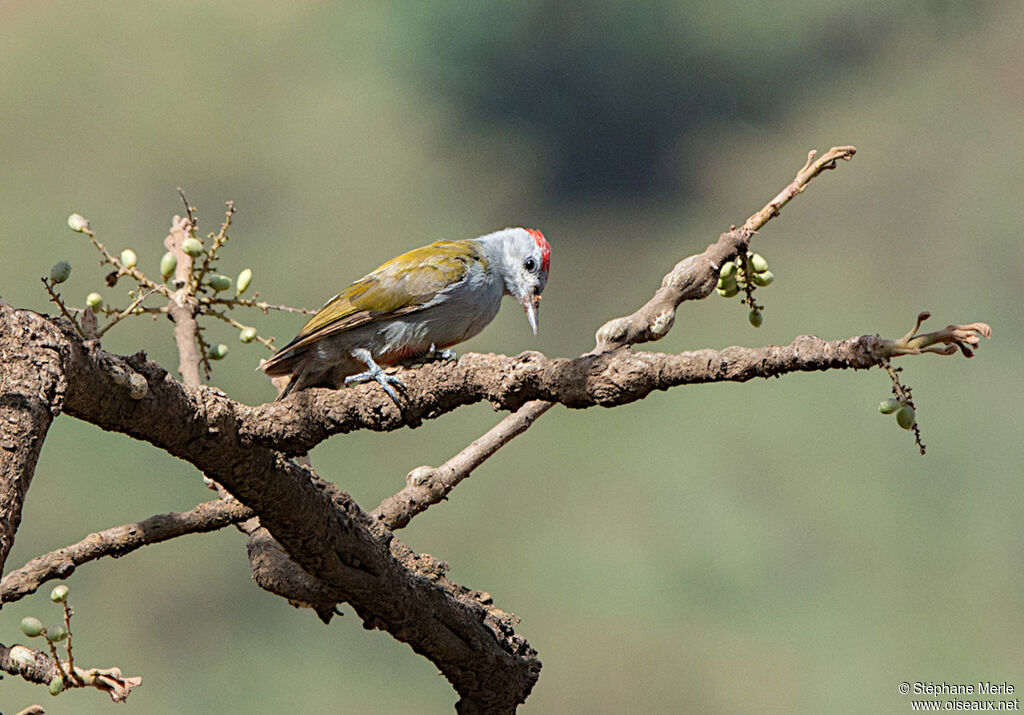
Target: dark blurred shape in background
(608,90)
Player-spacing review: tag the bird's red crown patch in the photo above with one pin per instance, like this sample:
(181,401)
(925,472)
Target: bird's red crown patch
(545,248)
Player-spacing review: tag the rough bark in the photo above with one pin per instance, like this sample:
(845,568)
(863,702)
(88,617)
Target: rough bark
(322,528)
(32,388)
(607,380)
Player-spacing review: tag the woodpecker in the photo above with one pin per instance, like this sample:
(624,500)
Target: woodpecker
(417,304)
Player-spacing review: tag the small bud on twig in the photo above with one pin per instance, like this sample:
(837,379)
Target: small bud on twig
(887,407)
(60,272)
(219,282)
(31,627)
(167,265)
(906,418)
(78,223)
(192,247)
(244,279)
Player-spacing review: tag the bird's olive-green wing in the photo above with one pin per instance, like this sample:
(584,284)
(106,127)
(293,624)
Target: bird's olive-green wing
(402,285)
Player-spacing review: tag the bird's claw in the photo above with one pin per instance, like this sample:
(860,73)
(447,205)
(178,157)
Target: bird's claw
(435,354)
(376,373)
(381,377)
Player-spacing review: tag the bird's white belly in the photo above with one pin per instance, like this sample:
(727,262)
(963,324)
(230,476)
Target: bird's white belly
(440,326)
(459,318)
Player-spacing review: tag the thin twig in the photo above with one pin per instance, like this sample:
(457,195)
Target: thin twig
(137,310)
(210,255)
(427,486)
(122,270)
(71,658)
(56,658)
(55,297)
(266,342)
(204,352)
(125,313)
(193,222)
(803,177)
(253,303)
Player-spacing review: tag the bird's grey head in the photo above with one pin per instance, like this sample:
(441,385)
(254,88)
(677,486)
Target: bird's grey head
(526,258)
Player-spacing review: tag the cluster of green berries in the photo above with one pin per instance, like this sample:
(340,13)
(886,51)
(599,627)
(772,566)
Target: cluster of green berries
(129,261)
(905,416)
(735,275)
(191,246)
(194,248)
(33,627)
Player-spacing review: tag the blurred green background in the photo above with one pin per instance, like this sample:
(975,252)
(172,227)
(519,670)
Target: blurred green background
(769,547)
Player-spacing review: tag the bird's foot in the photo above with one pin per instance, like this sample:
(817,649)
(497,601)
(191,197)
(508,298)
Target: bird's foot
(374,372)
(435,354)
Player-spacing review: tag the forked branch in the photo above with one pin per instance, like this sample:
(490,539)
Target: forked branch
(692,278)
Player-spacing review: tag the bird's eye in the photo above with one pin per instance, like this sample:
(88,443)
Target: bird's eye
(530,264)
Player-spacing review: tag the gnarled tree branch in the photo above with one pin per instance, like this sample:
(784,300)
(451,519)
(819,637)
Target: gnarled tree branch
(691,279)
(694,277)
(35,666)
(119,541)
(607,380)
(346,554)
(31,395)
(320,527)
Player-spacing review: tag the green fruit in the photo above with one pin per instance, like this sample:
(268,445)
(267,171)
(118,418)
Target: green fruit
(192,247)
(60,272)
(167,265)
(247,335)
(764,278)
(55,634)
(217,352)
(729,291)
(56,685)
(729,269)
(59,594)
(31,626)
(128,258)
(244,279)
(94,301)
(757,263)
(755,318)
(219,282)
(887,407)
(78,223)
(906,418)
